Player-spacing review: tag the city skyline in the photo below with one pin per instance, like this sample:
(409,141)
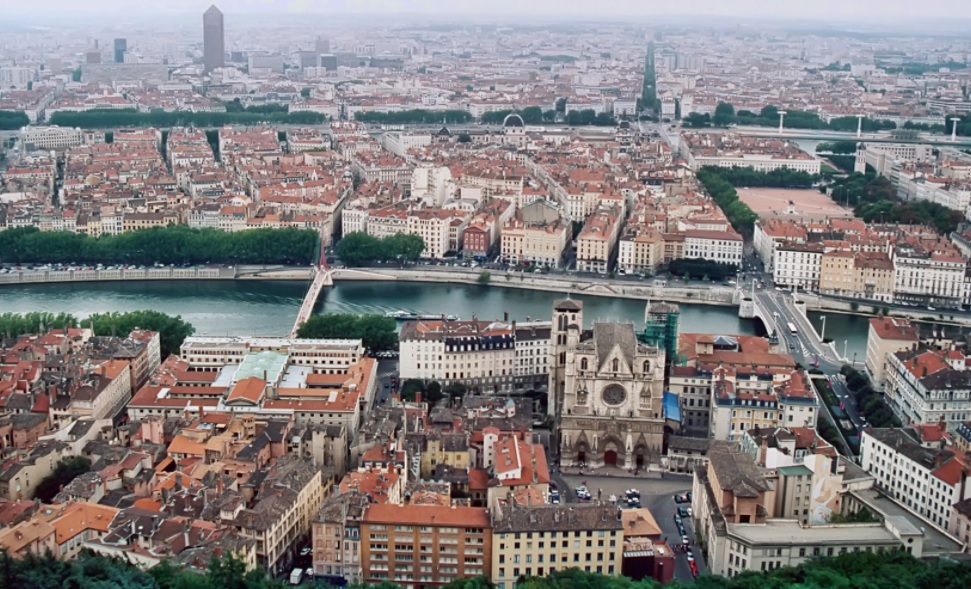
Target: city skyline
(822,11)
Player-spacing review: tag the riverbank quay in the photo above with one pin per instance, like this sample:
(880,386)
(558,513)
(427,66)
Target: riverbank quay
(92,274)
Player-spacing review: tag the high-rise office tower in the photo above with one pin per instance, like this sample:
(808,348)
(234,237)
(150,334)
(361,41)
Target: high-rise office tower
(322,45)
(214,43)
(121,46)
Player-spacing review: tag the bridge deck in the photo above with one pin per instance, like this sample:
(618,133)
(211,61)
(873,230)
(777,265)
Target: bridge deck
(322,278)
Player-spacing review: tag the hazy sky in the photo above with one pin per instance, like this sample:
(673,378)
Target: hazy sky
(812,9)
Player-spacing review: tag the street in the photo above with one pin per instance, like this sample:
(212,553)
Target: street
(657,495)
(805,345)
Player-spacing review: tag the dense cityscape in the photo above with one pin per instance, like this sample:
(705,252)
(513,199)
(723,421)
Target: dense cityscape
(506,302)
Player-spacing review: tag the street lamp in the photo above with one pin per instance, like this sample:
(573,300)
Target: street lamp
(822,332)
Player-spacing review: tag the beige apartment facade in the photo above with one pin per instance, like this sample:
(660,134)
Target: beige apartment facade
(539,540)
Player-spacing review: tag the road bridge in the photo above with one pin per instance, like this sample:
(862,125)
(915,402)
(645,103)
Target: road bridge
(323,277)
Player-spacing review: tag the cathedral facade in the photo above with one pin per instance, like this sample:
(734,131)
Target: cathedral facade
(606,392)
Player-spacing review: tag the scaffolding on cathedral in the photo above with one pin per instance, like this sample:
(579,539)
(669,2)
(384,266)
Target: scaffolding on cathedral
(661,322)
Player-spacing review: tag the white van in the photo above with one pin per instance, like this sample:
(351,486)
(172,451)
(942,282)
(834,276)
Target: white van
(296,576)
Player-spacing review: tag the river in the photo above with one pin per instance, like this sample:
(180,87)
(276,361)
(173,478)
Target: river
(227,307)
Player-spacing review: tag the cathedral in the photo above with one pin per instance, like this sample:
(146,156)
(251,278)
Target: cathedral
(606,391)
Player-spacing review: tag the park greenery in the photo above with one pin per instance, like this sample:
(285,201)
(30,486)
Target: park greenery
(868,402)
(726,115)
(839,147)
(172,330)
(13,119)
(648,100)
(174,244)
(590,117)
(725,196)
(115,118)
(854,570)
(360,249)
(379,333)
(415,117)
(748,177)
(874,199)
(65,471)
(913,68)
(695,268)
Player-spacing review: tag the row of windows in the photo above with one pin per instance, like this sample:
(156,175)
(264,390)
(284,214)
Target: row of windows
(540,571)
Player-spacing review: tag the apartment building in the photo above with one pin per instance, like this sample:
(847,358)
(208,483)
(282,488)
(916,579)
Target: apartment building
(418,546)
(868,275)
(597,240)
(785,400)
(724,247)
(106,392)
(532,354)
(959,525)
(913,466)
(28,538)
(435,227)
(928,386)
(537,540)
(494,356)
(640,250)
(734,510)
(286,504)
(797,265)
(748,363)
(379,166)
(929,275)
(886,335)
(537,234)
(337,536)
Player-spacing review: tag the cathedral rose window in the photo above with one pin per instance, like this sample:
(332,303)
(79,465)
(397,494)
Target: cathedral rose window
(614,394)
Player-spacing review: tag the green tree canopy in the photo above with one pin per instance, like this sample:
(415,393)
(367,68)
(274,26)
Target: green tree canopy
(359,249)
(843,147)
(112,118)
(748,177)
(64,473)
(415,117)
(13,119)
(723,193)
(15,324)
(172,330)
(853,570)
(378,333)
(724,114)
(175,244)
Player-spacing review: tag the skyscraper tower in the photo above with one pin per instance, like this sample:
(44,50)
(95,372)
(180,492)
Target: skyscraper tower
(214,43)
(121,46)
